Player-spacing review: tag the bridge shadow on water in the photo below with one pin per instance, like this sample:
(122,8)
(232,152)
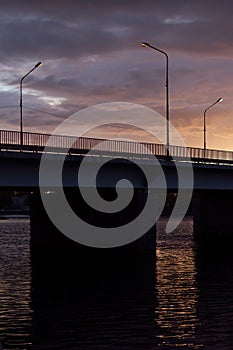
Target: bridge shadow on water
(102,308)
(214,266)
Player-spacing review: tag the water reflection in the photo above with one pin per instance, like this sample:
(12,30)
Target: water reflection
(85,298)
(15,285)
(177,291)
(215,305)
(188,305)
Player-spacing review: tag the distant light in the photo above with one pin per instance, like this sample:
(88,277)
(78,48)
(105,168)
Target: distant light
(219,100)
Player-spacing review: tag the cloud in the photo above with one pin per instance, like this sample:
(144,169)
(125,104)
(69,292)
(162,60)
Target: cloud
(56,30)
(91,54)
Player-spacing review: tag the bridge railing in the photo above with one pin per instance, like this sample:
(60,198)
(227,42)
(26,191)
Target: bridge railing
(37,141)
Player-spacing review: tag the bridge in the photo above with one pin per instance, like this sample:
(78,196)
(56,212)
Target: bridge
(213,180)
(35,142)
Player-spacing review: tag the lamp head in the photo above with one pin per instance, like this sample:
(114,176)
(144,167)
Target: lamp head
(220,99)
(145,44)
(38,64)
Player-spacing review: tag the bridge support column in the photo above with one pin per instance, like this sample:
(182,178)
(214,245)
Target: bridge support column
(72,285)
(52,253)
(213,217)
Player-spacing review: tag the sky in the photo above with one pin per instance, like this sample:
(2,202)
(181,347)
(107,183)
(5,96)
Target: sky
(91,54)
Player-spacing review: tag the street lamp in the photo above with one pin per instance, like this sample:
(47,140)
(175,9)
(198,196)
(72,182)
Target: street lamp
(167,95)
(219,100)
(21,101)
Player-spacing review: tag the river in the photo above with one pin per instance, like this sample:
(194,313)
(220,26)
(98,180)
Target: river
(187,303)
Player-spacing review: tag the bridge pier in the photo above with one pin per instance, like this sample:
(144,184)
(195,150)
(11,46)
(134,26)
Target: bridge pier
(76,288)
(213,220)
(53,254)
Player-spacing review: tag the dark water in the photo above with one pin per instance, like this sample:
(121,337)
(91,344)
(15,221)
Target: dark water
(185,302)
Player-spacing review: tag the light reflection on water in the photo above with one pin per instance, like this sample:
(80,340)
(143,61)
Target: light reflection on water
(192,304)
(15,284)
(177,290)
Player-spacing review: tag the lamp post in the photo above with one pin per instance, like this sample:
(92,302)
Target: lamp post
(167,93)
(21,101)
(219,100)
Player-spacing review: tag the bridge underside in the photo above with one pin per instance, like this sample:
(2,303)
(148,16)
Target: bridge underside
(21,171)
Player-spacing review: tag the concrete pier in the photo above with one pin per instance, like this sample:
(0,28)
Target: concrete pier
(83,290)
(213,217)
(53,253)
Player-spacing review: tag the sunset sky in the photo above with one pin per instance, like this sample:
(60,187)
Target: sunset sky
(91,54)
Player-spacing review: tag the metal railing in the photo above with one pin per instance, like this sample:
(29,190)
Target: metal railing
(36,142)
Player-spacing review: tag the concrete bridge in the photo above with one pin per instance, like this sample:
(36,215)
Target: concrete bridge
(212,169)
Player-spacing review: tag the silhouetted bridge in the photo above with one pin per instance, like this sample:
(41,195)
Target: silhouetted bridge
(212,169)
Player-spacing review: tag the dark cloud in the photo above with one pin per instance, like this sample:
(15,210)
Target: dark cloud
(56,29)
